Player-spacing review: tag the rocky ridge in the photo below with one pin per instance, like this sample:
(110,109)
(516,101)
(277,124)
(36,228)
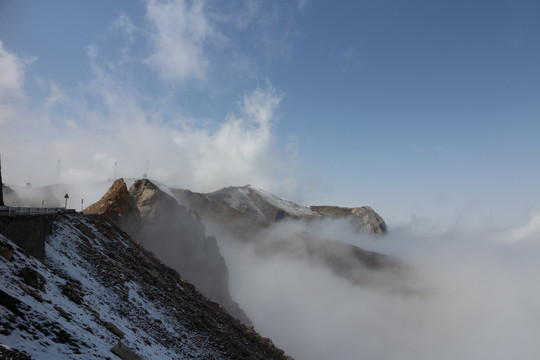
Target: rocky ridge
(363,218)
(248,207)
(98,294)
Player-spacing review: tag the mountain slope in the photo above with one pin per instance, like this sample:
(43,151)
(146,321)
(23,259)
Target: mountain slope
(98,293)
(173,233)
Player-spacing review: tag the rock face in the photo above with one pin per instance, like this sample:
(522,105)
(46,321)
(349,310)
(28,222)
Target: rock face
(173,233)
(364,218)
(116,205)
(126,294)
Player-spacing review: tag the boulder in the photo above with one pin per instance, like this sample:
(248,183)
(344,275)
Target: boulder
(114,329)
(124,352)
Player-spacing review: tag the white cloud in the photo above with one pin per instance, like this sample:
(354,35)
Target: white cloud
(12,80)
(11,73)
(123,22)
(56,95)
(181,32)
(531,230)
(239,151)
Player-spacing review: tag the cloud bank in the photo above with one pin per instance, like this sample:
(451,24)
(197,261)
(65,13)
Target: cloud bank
(469,295)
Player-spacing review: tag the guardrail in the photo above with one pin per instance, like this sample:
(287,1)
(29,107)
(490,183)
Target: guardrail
(20,210)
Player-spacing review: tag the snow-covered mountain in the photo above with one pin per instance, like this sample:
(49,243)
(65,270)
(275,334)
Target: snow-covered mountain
(248,206)
(97,294)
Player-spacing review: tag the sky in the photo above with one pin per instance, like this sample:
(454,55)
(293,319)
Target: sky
(421,109)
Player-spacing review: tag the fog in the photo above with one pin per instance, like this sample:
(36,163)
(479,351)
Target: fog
(471,294)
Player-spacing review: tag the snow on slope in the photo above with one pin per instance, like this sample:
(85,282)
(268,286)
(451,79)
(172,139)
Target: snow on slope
(254,200)
(288,206)
(97,288)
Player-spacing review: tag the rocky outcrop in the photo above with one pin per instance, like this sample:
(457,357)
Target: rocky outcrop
(124,352)
(364,218)
(173,233)
(12,354)
(116,205)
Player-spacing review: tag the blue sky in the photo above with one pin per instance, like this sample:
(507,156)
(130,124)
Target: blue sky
(421,109)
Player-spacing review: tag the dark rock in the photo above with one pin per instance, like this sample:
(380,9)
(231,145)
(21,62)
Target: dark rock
(124,352)
(10,303)
(6,251)
(33,293)
(62,337)
(32,278)
(112,328)
(12,354)
(73,292)
(62,312)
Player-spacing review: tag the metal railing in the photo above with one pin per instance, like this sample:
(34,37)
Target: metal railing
(20,210)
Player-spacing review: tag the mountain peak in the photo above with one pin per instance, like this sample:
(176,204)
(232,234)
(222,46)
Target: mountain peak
(115,205)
